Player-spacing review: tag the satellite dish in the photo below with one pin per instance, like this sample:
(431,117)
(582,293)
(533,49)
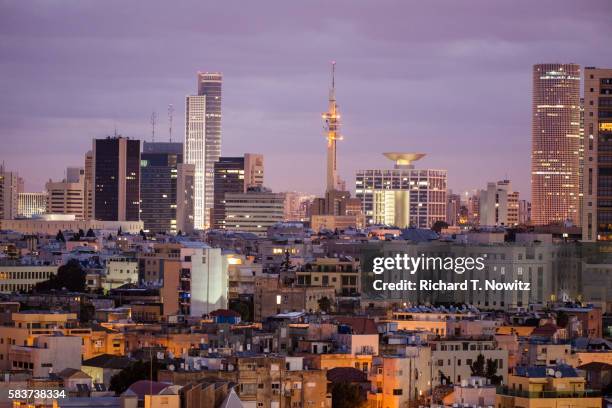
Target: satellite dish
(550,371)
(171,367)
(558,374)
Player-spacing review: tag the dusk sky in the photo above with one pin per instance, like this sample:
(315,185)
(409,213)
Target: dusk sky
(448,78)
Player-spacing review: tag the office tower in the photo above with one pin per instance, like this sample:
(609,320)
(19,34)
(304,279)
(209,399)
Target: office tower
(253,211)
(185,198)
(253,170)
(402,196)
(159,167)
(10,187)
(555,159)
(332,132)
(234,175)
(498,205)
(31,204)
(89,184)
(453,206)
(597,199)
(67,196)
(229,178)
(203,141)
(116,196)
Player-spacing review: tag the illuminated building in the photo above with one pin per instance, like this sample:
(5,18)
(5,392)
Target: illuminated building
(160,185)
(234,175)
(253,211)
(402,196)
(32,204)
(116,196)
(10,187)
(499,205)
(597,199)
(555,157)
(203,141)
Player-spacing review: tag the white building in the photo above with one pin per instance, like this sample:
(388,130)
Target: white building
(209,277)
(32,204)
(48,354)
(499,205)
(120,271)
(203,141)
(10,187)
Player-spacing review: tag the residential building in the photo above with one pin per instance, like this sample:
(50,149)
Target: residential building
(597,222)
(10,187)
(499,205)
(16,276)
(67,196)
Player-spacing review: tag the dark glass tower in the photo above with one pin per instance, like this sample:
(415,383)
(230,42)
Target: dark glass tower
(229,178)
(158,187)
(116,179)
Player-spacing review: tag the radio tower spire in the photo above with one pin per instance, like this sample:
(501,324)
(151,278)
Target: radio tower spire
(170,115)
(331,125)
(153,122)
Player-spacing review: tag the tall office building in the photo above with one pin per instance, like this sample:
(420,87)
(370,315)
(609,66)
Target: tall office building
(10,187)
(67,196)
(403,196)
(203,141)
(116,196)
(234,175)
(31,204)
(555,159)
(597,199)
(89,184)
(159,187)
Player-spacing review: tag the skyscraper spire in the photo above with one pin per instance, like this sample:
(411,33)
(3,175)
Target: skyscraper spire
(332,130)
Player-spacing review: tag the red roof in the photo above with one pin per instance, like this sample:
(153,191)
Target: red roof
(144,387)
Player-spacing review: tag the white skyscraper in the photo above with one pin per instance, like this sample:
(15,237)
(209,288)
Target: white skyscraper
(203,141)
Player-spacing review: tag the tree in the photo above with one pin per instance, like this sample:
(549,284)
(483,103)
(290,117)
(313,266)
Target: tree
(324,304)
(478,366)
(562,319)
(90,233)
(491,372)
(70,276)
(143,235)
(60,236)
(119,232)
(87,311)
(136,371)
(438,226)
(347,395)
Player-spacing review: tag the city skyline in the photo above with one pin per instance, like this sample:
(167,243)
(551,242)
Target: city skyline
(273,105)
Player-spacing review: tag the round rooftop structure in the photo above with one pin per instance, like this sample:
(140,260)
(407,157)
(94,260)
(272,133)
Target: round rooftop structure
(403,159)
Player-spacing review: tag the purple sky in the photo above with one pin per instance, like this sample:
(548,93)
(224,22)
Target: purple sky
(448,78)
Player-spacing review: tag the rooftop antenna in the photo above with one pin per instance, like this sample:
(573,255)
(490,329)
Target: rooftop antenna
(153,122)
(170,114)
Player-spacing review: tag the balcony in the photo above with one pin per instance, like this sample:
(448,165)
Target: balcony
(548,394)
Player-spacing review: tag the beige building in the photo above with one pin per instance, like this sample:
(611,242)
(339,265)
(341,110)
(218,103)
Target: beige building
(31,204)
(18,277)
(555,128)
(597,222)
(50,224)
(46,355)
(67,197)
(10,187)
(253,211)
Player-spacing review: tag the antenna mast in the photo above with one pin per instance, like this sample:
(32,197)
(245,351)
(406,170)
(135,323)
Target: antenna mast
(153,122)
(170,115)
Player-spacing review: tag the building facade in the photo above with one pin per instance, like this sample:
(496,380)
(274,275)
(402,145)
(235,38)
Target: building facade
(67,196)
(10,187)
(203,141)
(597,200)
(555,157)
(499,205)
(402,196)
(253,211)
(116,196)
(32,204)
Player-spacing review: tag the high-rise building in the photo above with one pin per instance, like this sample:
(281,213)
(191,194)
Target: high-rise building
(597,186)
(296,206)
(524,212)
(116,196)
(498,205)
(159,186)
(555,159)
(203,141)
(31,204)
(453,207)
(402,196)
(89,184)
(234,175)
(10,187)
(253,211)
(185,198)
(67,196)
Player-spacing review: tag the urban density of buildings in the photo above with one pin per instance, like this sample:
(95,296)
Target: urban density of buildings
(165,274)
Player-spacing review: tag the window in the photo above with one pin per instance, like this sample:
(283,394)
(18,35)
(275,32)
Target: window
(397,391)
